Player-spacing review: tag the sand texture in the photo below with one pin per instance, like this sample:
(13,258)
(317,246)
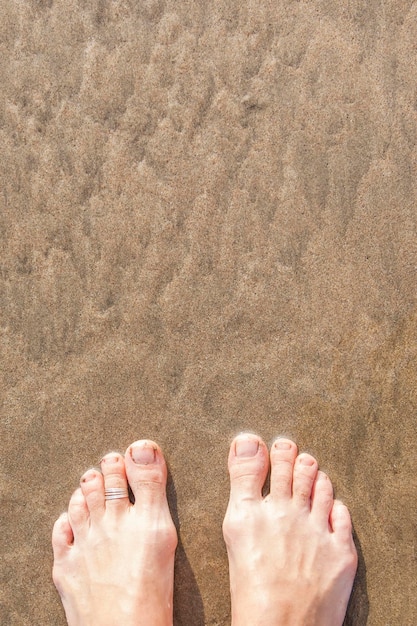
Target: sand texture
(208,224)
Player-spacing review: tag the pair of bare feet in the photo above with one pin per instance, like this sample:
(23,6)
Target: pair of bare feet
(291,554)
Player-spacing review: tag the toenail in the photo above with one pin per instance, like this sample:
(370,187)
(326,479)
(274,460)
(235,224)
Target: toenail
(143,454)
(246,447)
(281,444)
(306,460)
(88,476)
(112,458)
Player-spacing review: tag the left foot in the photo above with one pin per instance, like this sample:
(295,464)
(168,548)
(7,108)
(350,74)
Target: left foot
(113,560)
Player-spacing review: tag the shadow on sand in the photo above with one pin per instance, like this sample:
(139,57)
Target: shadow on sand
(188,604)
(358,607)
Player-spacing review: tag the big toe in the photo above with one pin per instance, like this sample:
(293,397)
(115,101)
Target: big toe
(248,467)
(146,472)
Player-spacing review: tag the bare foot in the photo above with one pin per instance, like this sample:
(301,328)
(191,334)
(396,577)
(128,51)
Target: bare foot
(291,554)
(114,561)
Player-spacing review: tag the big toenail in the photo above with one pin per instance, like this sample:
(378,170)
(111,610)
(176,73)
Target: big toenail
(281,444)
(143,454)
(246,447)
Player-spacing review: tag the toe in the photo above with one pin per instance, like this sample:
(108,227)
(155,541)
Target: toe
(322,499)
(340,520)
(92,487)
(341,524)
(62,537)
(305,472)
(248,467)
(115,483)
(78,515)
(146,472)
(283,455)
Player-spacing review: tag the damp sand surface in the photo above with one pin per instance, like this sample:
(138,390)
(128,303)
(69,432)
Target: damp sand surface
(208,224)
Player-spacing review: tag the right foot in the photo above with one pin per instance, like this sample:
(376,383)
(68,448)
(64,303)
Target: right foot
(113,560)
(291,554)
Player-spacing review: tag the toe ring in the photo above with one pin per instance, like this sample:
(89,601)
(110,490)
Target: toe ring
(114,493)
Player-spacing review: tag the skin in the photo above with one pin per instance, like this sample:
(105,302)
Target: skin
(291,555)
(114,561)
(292,559)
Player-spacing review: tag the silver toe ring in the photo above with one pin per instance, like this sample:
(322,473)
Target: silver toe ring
(114,493)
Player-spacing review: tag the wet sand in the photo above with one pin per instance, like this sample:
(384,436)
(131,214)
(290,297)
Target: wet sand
(208,224)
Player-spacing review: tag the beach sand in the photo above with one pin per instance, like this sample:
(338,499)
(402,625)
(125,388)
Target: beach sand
(208,224)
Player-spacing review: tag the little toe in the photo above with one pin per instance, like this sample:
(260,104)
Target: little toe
(341,524)
(62,536)
(248,467)
(115,483)
(340,520)
(146,472)
(322,499)
(283,455)
(92,487)
(305,472)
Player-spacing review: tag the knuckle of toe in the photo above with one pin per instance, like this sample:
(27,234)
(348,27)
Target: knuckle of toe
(327,502)
(152,484)
(303,494)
